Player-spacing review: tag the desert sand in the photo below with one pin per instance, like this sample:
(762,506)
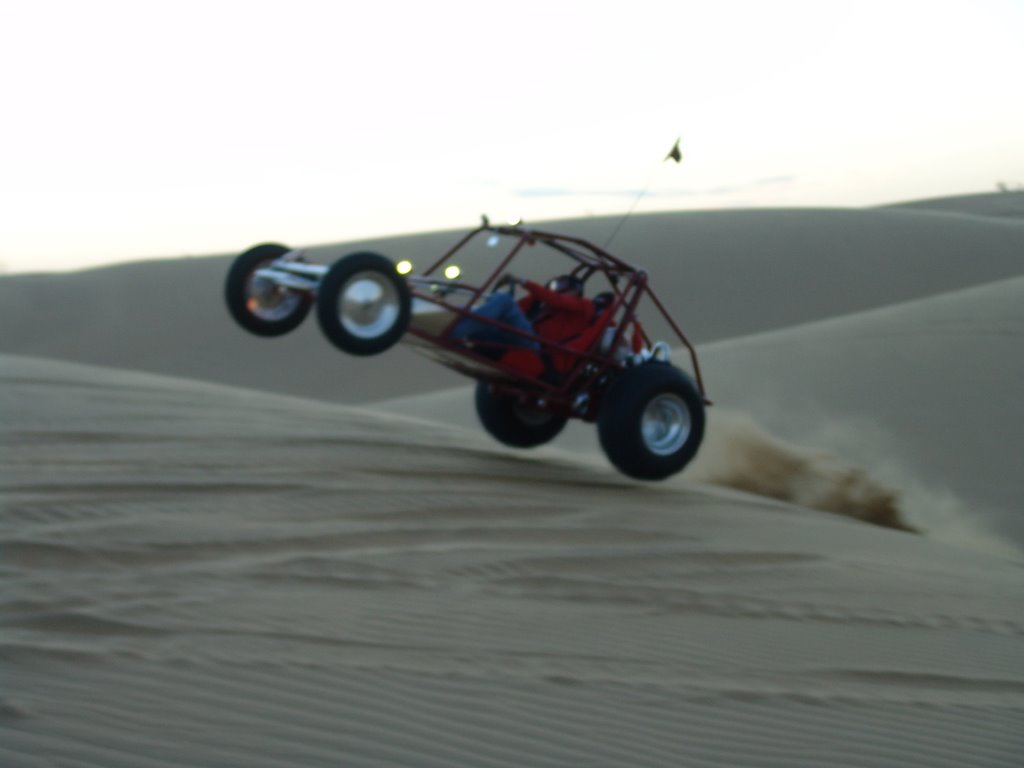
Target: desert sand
(224,551)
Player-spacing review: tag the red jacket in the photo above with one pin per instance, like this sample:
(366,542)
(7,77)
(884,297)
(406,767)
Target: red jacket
(562,318)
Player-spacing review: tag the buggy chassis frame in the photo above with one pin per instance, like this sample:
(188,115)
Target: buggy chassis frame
(590,368)
(650,415)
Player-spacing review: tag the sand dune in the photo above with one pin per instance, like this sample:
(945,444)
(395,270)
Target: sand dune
(913,402)
(921,394)
(204,576)
(198,575)
(722,273)
(998,204)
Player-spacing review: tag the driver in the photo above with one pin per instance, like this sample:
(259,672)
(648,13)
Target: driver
(558,312)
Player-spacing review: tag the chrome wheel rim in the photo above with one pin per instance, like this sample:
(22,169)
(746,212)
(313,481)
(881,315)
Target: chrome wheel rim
(267,300)
(665,424)
(370,305)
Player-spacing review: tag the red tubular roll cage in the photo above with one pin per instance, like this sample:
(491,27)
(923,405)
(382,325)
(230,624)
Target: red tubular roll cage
(629,285)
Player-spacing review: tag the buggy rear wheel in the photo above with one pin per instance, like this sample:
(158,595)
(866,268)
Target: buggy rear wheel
(513,423)
(651,421)
(363,304)
(259,305)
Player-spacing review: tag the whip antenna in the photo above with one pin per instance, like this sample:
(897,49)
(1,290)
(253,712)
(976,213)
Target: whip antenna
(673,154)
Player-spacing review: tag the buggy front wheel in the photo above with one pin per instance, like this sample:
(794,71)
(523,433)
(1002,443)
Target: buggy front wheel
(259,305)
(363,304)
(651,421)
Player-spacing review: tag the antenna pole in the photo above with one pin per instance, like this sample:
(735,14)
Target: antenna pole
(673,154)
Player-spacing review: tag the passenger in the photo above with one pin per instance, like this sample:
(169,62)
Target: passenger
(558,312)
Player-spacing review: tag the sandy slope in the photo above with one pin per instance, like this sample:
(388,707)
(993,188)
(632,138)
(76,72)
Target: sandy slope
(202,576)
(198,576)
(996,204)
(722,273)
(922,395)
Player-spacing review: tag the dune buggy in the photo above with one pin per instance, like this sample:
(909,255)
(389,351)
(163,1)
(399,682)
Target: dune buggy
(649,413)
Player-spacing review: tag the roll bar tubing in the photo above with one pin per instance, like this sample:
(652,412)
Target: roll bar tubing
(594,259)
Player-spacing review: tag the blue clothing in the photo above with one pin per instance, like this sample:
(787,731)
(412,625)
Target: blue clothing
(500,307)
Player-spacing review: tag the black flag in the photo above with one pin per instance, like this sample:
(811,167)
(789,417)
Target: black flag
(675,153)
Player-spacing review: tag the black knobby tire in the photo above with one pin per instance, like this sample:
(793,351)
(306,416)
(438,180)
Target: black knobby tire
(651,421)
(261,308)
(510,422)
(363,304)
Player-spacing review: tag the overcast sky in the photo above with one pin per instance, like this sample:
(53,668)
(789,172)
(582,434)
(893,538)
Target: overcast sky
(150,128)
